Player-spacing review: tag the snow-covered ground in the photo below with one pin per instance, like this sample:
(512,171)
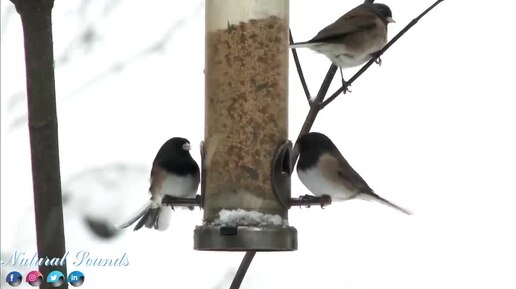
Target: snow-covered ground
(431,129)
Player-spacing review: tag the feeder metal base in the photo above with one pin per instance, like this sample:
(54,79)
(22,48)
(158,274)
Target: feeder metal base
(245,238)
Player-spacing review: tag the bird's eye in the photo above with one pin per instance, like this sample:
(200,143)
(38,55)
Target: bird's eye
(187,146)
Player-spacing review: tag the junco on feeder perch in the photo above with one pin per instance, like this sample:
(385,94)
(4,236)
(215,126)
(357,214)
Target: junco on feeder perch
(174,173)
(324,171)
(355,37)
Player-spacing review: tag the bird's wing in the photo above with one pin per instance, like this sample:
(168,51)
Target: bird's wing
(158,175)
(338,170)
(358,19)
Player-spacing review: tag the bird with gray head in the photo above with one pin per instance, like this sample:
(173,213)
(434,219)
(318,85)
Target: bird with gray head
(174,173)
(353,38)
(324,171)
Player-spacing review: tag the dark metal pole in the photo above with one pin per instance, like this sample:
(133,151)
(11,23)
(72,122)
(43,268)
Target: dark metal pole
(36,16)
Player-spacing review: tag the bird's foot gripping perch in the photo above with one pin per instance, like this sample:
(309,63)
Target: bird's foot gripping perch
(345,85)
(376,57)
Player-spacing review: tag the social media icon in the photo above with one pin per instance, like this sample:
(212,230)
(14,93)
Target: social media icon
(55,278)
(14,278)
(76,278)
(34,278)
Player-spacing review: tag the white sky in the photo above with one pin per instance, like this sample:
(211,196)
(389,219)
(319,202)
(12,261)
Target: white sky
(432,129)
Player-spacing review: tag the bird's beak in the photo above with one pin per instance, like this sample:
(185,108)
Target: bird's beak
(187,147)
(390,20)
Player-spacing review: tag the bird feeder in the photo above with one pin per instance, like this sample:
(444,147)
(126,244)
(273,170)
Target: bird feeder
(245,150)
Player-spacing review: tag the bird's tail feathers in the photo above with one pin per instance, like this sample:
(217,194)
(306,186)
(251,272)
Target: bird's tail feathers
(301,44)
(137,215)
(157,217)
(148,219)
(373,196)
(151,215)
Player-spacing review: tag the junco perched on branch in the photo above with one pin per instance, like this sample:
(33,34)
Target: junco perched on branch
(353,38)
(175,173)
(324,171)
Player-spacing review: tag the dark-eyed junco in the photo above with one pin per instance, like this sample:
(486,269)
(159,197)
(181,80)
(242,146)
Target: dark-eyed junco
(353,38)
(175,173)
(324,171)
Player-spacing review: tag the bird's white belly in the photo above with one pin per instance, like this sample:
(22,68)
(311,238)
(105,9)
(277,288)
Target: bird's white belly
(319,186)
(182,187)
(344,60)
(343,57)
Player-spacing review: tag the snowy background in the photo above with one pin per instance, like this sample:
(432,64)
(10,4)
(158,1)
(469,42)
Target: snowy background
(433,129)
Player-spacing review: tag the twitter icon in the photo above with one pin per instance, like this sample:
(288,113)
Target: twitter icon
(55,278)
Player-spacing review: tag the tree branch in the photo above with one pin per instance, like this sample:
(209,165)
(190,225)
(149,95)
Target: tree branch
(39,60)
(314,110)
(242,269)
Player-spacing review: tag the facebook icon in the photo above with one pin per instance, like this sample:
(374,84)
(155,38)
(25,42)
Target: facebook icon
(14,278)
(76,278)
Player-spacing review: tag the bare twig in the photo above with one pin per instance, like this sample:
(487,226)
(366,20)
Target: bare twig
(378,54)
(314,110)
(299,70)
(242,269)
(114,67)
